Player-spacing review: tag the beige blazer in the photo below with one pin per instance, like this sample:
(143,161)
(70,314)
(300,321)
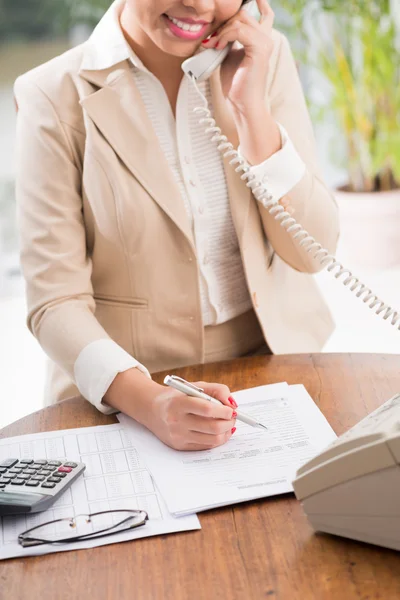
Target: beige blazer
(106,246)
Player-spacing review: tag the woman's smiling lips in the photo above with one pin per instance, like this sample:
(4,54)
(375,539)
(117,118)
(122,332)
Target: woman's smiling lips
(186,29)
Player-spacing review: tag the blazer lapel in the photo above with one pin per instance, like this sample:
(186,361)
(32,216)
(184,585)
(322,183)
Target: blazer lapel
(239,193)
(118,111)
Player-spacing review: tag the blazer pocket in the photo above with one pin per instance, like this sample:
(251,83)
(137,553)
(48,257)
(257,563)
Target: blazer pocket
(131,303)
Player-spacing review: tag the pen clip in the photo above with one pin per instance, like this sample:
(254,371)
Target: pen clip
(191,385)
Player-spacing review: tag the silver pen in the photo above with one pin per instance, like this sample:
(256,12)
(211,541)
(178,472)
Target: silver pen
(192,390)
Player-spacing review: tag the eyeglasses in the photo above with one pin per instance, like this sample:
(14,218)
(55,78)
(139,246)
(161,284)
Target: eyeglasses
(83,527)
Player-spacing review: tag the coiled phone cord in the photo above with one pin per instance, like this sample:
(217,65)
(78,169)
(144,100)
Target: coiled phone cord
(304,239)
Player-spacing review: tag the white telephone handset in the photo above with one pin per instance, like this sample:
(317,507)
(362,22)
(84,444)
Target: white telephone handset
(204,64)
(198,68)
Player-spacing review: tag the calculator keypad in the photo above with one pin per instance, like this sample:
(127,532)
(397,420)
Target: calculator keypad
(33,473)
(10,462)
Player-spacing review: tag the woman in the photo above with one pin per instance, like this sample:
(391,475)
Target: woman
(142,250)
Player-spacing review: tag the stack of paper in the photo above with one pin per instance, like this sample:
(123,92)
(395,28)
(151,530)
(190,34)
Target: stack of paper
(115,478)
(253,464)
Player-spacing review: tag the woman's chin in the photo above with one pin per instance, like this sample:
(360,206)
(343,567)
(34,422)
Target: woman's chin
(179,51)
(174,47)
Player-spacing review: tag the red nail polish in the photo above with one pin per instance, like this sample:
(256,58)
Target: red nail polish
(213,34)
(234,415)
(232,401)
(205,41)
(216,45)
(233,430)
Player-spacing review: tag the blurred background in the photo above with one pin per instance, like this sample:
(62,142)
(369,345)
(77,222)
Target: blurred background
(348,59)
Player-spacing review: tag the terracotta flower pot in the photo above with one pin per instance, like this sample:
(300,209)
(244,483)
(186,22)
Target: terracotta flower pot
(369,228)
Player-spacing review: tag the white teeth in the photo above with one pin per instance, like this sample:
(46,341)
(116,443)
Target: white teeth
(185,26)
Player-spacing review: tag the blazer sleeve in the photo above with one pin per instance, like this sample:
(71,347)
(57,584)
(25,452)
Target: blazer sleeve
(54,258)
(311,203)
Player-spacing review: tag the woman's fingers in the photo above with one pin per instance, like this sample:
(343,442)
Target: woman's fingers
(210,426)
(207,441)
(243,27)
(267,14)
(205,408)
(216,390)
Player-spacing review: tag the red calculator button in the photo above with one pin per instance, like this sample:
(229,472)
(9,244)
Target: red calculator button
(64,469)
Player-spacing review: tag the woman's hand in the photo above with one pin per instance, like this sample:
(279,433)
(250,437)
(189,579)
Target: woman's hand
(244,71)
(179,421)
(186,423)
(244,81)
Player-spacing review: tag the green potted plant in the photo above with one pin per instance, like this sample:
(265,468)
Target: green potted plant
(355,46)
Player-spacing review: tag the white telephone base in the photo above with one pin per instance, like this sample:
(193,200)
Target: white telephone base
(352,489)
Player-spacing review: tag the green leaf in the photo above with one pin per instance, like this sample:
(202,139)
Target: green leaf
(356,47)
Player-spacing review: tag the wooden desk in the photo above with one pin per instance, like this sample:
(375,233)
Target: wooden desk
(262,549)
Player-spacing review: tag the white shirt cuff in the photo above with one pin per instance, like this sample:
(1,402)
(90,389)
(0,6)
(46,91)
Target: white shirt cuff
(96,368)
(281,171)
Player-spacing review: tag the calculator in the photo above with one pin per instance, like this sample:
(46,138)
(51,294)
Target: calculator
(30,485)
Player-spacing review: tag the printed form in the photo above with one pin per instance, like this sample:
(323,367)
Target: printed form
(114,478)
(253,464)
